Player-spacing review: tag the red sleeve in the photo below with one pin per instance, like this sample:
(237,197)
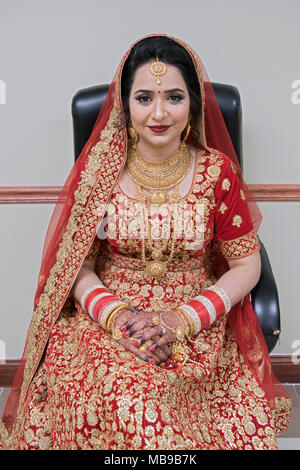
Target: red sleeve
(232,223)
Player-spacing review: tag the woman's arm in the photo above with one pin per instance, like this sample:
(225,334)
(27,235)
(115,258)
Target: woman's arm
(241,278)
(85,278)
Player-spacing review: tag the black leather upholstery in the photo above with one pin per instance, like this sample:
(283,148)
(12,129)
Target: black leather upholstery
(86,104)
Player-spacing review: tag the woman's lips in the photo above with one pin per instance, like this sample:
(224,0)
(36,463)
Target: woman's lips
(159,129)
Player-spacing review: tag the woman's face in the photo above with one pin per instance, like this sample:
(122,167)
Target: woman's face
(159,113)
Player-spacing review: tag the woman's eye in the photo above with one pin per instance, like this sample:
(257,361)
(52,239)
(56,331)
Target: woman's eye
(175,98)
(143,99)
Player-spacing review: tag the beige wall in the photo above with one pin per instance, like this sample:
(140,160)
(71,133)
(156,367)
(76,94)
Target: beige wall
(50,49)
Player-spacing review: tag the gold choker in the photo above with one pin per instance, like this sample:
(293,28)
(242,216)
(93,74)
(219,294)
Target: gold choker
(158,177)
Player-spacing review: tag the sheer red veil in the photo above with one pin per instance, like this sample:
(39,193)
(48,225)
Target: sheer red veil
(74,208)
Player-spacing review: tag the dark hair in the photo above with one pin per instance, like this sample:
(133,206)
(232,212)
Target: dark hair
(170,52)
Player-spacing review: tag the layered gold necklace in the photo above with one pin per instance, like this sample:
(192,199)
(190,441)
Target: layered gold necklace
(158,178)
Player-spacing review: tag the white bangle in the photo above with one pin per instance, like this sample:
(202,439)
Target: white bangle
(106,311)
(209,307)
(94,301)
(87,292)
(193,315)
(221,292)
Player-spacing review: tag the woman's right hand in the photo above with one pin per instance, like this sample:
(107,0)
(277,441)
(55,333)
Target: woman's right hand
(136,332)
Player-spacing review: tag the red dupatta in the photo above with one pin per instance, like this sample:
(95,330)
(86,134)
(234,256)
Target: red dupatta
(78,213)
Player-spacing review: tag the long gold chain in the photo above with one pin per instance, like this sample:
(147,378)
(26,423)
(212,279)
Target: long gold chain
(157,177)
(157,267)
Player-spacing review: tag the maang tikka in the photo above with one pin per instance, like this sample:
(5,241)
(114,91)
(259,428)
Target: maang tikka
(158,69)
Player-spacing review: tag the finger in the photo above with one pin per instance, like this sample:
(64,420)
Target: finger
(144,355)
(160,349)
(151,333)
(161,342)
(134,325)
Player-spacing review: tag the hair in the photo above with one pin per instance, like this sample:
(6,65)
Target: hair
(170,52)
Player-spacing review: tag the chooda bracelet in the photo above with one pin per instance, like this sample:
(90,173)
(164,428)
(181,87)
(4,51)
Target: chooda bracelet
(100,304)
(206,308)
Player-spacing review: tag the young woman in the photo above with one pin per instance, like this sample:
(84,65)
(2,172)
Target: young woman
(143,334)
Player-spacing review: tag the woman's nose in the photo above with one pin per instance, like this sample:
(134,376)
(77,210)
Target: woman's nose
(159,111)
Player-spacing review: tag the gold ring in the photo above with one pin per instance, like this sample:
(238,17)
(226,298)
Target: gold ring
(145,345)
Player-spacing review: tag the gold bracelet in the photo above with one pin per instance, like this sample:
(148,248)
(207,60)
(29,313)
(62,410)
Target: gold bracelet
(112,313)
(180,332)
(182,313)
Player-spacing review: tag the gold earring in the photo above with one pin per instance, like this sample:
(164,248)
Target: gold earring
(187,130)
(133,135)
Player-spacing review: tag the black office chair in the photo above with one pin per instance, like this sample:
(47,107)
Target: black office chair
(86,104)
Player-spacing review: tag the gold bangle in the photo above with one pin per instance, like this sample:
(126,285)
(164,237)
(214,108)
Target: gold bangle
(182,313)
(112,313)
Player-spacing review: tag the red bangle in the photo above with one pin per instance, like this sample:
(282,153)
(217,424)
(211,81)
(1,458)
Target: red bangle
(91,296)
(202,312)
(216,300)
(101,304)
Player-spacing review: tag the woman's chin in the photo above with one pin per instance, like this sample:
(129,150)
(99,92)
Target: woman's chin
(160,141)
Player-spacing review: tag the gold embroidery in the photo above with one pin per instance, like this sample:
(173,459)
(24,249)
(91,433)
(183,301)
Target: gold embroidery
(242,195)
(226,184)
(123,396)
(237,221)
(214,171)
(240,247)
(223,208)
(94,249)
(79,230)
(112,400)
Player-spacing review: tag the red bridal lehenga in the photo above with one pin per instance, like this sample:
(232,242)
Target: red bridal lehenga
(76,387)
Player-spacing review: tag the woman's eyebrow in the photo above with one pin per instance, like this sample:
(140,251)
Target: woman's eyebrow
(172,90)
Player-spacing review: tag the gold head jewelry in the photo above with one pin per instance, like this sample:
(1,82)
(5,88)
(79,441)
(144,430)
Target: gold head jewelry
(158,69)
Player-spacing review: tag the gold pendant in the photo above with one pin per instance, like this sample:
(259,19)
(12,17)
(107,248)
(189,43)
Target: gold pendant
(180,351)
(156,269)
(158,197)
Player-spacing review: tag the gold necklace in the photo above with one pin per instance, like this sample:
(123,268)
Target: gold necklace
(159,176)
(157,267)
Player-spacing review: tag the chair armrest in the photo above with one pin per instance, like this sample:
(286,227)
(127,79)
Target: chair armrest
(265,301)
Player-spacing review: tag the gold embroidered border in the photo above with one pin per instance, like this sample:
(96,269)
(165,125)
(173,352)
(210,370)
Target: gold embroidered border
(240,247)
(77,239)
(94,249)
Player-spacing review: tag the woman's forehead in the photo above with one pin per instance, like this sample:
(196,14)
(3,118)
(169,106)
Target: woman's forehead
(144,78)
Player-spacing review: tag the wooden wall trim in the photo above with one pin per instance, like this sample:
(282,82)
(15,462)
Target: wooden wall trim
(285,369)
(8,371)
(29,194)
(275,192)
(49,194)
